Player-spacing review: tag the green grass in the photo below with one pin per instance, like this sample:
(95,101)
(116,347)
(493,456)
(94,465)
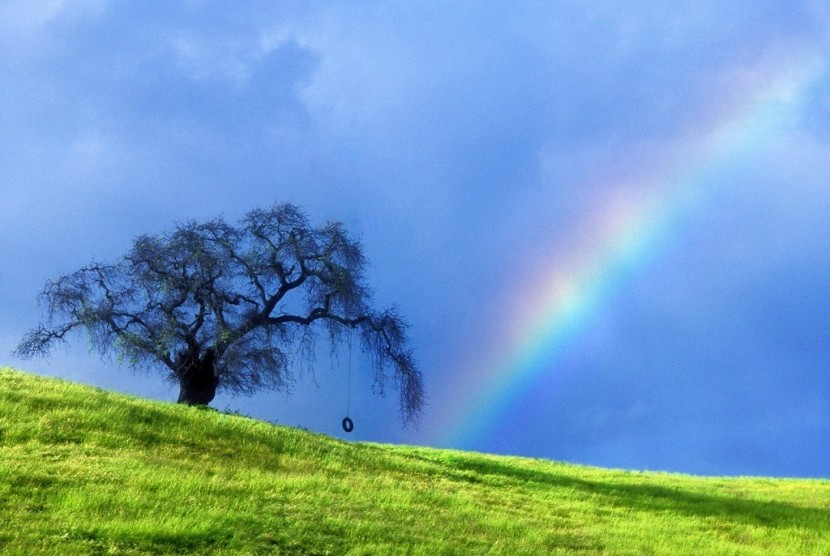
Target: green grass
(85,471)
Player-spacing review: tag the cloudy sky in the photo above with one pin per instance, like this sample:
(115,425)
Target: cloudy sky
(606,221)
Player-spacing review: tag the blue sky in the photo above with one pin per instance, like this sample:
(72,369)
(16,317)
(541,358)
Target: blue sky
(475,149)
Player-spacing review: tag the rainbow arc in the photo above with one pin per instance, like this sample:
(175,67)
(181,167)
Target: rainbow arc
(629,234)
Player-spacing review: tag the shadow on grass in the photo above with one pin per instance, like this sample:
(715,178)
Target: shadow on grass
(655,498)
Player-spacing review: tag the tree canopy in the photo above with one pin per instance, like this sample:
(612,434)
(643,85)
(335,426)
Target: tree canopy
(235,308)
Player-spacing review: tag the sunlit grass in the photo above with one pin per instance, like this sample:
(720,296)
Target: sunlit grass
(84,471)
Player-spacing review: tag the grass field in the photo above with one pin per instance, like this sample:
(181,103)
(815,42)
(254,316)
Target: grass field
(85,471)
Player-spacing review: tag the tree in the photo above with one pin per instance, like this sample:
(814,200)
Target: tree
(218,307)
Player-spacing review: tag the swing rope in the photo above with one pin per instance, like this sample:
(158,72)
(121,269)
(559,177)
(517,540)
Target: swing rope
(348,424)
(349,383)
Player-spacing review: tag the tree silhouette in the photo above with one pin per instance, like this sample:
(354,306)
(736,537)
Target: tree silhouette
(218,307)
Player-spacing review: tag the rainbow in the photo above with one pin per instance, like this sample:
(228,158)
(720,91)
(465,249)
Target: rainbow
(629,232)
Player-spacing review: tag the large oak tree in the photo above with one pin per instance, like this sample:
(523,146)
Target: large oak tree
(221,307)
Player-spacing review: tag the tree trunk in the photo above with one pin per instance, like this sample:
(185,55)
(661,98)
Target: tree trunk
(197,378)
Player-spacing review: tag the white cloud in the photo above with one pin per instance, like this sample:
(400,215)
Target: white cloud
(23,17)
(205,58)
(367,76)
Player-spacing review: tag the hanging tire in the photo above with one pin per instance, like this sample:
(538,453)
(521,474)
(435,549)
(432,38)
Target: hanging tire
(348,424)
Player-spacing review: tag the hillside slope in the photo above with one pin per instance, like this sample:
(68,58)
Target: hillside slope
(85,471)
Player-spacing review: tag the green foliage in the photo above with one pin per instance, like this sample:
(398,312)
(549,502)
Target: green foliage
(85,471)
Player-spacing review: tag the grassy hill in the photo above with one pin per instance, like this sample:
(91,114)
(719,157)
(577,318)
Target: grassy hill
(85,471)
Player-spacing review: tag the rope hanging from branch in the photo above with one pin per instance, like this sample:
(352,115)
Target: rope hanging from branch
(347,423)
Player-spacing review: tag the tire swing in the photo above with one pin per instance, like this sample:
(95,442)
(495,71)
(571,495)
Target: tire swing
(347,423)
